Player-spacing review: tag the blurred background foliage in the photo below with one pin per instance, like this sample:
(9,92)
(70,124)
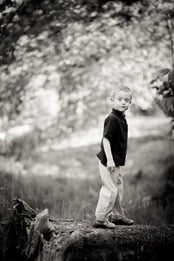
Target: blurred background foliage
(60,60)
(59,63)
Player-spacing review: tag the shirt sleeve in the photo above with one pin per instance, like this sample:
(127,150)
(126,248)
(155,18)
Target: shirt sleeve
(110,127)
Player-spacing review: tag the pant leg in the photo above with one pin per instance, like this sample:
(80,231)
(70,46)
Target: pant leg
(107,195)
(118,209)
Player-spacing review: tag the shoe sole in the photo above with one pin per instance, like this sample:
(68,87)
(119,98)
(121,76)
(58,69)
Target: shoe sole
(122,223)
(102,226)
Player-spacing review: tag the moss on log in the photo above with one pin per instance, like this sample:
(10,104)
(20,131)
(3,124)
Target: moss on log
(40,237)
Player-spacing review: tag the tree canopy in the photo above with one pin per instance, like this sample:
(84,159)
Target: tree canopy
(60,60)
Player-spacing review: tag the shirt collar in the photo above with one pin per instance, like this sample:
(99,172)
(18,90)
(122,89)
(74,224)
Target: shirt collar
(118,113)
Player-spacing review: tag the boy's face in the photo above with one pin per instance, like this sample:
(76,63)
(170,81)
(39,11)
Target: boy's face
(121,101)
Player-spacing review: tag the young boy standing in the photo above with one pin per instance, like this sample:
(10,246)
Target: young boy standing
(109,211)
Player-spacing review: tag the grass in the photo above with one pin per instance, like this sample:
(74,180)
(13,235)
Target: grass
(70,189)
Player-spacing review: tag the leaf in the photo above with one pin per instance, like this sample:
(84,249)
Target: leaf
(163,72)
(171,77)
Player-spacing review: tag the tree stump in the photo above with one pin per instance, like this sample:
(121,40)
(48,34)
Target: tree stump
(34,236)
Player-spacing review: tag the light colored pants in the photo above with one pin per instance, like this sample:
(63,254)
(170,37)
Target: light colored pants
(111,194)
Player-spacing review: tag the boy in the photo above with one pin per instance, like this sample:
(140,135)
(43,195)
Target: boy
(109,211)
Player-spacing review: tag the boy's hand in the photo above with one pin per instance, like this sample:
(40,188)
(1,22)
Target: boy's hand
(111,166)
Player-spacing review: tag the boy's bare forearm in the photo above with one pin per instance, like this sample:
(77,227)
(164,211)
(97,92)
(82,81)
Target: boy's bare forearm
(108,152)
(110,161)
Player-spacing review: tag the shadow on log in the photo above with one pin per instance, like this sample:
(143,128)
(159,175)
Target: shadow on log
(35,236)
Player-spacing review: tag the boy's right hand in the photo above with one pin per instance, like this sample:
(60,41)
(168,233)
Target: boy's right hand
(111,166)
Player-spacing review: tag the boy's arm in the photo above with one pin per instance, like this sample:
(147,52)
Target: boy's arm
(107,148)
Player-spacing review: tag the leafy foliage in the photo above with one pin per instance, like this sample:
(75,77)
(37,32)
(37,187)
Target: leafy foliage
(78,51)
(164,83)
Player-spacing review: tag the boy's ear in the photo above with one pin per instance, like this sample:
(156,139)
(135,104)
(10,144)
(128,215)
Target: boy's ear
(111,98)
(131,100)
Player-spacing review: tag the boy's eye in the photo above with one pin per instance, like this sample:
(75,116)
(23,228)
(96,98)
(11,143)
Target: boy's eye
(120,99)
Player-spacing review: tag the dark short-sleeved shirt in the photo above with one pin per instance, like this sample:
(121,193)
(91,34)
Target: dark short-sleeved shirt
(116,131)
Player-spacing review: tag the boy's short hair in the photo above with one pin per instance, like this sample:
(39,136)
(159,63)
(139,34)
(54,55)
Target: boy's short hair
(124,89)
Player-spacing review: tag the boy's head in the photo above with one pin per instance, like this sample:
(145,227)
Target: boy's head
(121,99)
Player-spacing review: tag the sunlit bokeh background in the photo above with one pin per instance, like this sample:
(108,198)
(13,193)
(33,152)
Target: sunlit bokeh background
(59,63)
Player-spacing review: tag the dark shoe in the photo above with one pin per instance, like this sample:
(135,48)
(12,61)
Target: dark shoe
(104,224)
(121,220)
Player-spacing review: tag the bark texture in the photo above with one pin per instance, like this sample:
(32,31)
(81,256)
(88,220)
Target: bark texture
(35,236)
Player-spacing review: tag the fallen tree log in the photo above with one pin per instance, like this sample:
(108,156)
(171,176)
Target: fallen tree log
(34,236)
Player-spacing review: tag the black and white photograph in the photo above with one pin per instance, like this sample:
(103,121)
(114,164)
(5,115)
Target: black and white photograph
(86,130)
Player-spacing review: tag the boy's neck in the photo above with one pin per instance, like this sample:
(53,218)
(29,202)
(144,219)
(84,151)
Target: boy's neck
(119,112)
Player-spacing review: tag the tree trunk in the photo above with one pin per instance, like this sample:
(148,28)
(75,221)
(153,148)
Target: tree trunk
(35,236)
